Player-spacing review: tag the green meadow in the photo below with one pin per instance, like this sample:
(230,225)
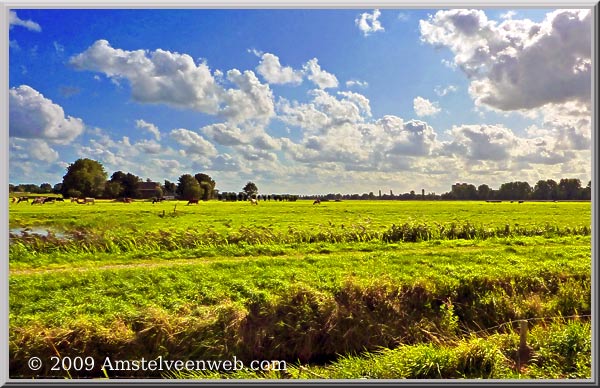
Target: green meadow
(351,289)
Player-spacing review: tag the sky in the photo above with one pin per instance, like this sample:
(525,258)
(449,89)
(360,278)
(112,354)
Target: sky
(303,101)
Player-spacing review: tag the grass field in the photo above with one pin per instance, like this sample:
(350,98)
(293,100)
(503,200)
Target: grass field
(379,289)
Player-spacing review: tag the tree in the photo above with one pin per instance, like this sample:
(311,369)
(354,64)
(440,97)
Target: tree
(169,188)
(113,189)
(84,177)
(545,190)
(129,184)
(57,189)
(250,189)
(569,188)
(207,184)
(483,192)
(188,187)
(45,188)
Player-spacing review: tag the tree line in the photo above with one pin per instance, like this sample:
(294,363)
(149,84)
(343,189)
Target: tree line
(87,178)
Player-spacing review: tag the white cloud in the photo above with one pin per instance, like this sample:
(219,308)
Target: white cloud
(153,129)
(353,82)
(32,149)
(224,134)
(424,107)
(193,143)
(442,91)
(272,71)
(251,101)
(155,77)
(367,23)
(14,20)
(320,77)
(518,64)
(149,146)
(508,15)
(31,115)
(171,78)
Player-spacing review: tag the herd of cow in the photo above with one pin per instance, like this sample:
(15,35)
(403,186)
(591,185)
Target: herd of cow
(87,200)
(43,200)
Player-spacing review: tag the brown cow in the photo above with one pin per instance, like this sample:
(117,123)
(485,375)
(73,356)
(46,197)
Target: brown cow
(192,201)
(317,202)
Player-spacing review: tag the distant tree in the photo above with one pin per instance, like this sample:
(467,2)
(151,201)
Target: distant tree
(129,184)
(483,192)
(463,191)
(57,189)
(207,184)
(545,190)
(45,188)
(169,188)
(514,190)
(569,188)
(250,189)
(113,189)
(188,187)
(84,177)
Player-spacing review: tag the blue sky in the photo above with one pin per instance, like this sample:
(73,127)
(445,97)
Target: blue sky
(303,101)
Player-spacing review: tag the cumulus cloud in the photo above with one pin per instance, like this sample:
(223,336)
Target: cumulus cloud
(31,115)
(367,23)
(271,70)
(148,146)
(172,78)
(14,20)
(518,64)
(251,101)
(193,143)
(224,134)
(356,83)
(32,149)
(442,91)
(153,129)
(318,76)
(424,107)
(325,110)
(155,77)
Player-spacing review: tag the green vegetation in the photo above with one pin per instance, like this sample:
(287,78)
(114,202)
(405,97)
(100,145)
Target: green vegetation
(425,289)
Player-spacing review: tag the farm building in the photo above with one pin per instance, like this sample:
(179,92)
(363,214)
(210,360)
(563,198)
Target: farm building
(148,189)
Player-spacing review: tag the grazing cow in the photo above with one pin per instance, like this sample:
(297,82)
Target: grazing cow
(14,199)
(40,200)
(49,199)
(192,201)
(58,199)
(155,199)
(89,200)
(253,201)
(317,202)
(23,199)
(74,200)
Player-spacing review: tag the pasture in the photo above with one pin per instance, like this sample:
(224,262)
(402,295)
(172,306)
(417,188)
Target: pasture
(336,289)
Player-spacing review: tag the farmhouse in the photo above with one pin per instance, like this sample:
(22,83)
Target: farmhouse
(148,189)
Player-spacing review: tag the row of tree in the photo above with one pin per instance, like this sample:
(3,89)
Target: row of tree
(87,178)
(549,190)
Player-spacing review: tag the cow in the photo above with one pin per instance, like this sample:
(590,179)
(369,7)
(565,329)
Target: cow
(23,199)
(74,200)
(58,199)
(127,200)
(253,201)
(49,199)
(192,201)
(14,199)
(40,200)
(89,200)
(156,199)
(317,202)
